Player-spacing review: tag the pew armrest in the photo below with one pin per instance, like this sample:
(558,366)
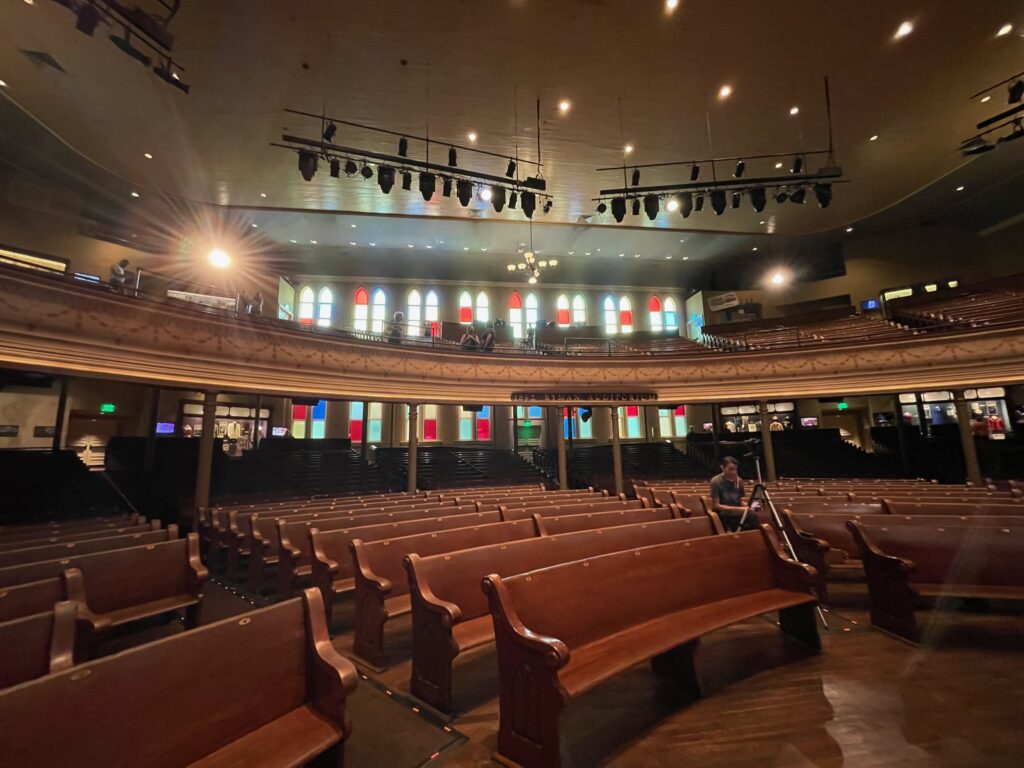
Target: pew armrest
(72,584)
(197,572)
(334,676)
(875,559)
(363,573)
(62,645)
(319,556)
(554,652)
(789,574)
(286,548)
(448,613)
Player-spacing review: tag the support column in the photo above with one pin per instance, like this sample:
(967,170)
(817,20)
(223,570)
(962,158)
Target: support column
(154,416)
(901,437)
(716,429)
(204,466)
(963,417)
(62,407)
(364,441)
(766,442)
(414,439)
(256,423)
(616,450)
(563,479)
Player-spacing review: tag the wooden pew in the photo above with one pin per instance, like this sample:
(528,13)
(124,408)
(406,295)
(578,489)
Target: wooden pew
(32,597)
(903,563)
(55,551)
(85,523)
(382,589)
(20,542)
(37,644)
(950,508)
(574,508)
(556,524)
(562,630)
(449,610)
(261,690)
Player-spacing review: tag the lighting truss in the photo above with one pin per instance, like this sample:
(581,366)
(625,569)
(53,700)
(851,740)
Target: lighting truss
(990,132)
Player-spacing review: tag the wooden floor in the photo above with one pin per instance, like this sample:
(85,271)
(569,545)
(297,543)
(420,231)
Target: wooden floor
(866,700)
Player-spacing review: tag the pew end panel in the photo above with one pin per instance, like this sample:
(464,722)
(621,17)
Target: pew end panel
(434,646)
(890,596)
(810,550)
(333,677)
(37,645)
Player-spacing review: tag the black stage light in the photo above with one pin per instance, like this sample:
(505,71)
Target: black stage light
(823,193)
(386,178)
(586,414)
(88,18)
(636,177)
(601,207)
(686,204)
(406,180)
(781,196)
(699,205)
(718,201)
(695,172)
(798,165)
(307,165)
(351,167)
(799,196)
(512,200)
(464,191)
(428,183)
(979,149)
(651,206)
(164,72)
(636,206)
(529,204)
(511,170)
(758,198)
(335,168)
(403,147)
(619,209)
(736,197)
(547,206)
(453,157)
(329,132)
(125,44)
(498,198)
(740,168)
(1016,92)
(446,186)
(366,171)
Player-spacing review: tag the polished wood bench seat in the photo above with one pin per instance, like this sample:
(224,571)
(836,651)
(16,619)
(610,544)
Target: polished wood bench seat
(555,524)
(562,630)
(31,597)
(903,563)
(570,508)
(57,537)
(85,546)
(265,689)
(894,507)
(382,588)
(37,644)
(450,614)
(68,526)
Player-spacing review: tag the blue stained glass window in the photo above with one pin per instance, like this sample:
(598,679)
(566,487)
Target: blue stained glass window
(320,410)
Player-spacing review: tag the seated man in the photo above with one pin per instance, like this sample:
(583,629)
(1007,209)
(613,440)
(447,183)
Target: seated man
(469,341)
(727,498)
(487,340)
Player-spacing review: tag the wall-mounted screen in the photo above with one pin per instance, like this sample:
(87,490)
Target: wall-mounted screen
(165,427)
(808,421)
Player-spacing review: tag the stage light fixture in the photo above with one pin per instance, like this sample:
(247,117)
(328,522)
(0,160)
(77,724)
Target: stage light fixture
(464,191)
(636,206)
(330,131)
(636,177)
(651,206)
(529,204)
(511,170)
(406,180)
(699,204)
(798,165)
(88,19)
(386,178)
(1016,92)
(736,198)
(799,196)
(498,198)
(978,147)
(601,207)
(694,172)
(672,205)
(1018,133)
(547,206)
(335,168)
(513,200)
(740,168)
(446,186)
(619,209)
(718,201)
(586,414)
(453,157)
(428,183)
(403,147)
(823,194)
(168,75)
(351,167)
(366,171)
(758,198)
(686,204)
(307,165)
(781,196)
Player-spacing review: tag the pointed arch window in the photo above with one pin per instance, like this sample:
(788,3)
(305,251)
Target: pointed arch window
(579,310)
(432,311)
(625,315)
(654,311)
(532,310)
(378,311)
(611,316)
(562,318)
(325,307)
(465,308)
(413,313)
(671,315)
(483,308)
(515,314)
(361,310)
(306,308)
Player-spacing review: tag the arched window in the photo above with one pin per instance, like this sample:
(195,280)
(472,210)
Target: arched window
(378,311)
(532,310)
(579,310)
(306,306)
(625,315)
(432,312)
(413,313)
(465,308)
(671,315)
(611,316)
(325,307)
(654,309)
(483,308)
(515,314)
(562,318)
(361,310)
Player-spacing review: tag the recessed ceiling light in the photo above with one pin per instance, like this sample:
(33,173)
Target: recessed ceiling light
(353,226)
(598,250)
(483,249)
(263,194)
(794,110)
(351,243)
(903,30)
(725,91)
(373,245)
(3,84)
(1004,30)
(754,248)
(564,106)
(587,253)
(430,247)
(960,188)
(465,248)
(874,138)
(686,258)
(636,255)
(778,165)
(440,242)
(849,229)
(571,252)
(312,242)
(147,156)
(628,149)
(621,255)
(409,244)
(135,194)
(471,135)
(669,256)
(293,241)
(761,222)
(985,98)
(254,226)
(671,5)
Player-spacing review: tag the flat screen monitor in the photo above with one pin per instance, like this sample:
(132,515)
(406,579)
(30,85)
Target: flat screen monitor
(707,426)
(869,305)
(808,421)
(165,427)
(278,431)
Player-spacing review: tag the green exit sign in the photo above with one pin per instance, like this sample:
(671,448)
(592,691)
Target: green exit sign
(107,408)
(842,405)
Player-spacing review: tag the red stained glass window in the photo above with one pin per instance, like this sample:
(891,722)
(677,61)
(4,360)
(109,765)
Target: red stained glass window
(355,430)
(299,412)
(465,314)
(483,429)
(654,304)
(632,410)
(626,317)
(430,429)
(515,301)
(362,297)
(562,317)
(681,410)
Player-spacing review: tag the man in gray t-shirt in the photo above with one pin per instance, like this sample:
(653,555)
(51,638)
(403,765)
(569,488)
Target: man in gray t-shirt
(727,497)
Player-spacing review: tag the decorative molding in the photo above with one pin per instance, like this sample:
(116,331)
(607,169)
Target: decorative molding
(59,326)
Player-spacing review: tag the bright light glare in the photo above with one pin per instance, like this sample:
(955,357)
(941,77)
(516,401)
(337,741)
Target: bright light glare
(794,111)
(671,5)
(219,258)
(673,205)
(725,92)
(904,29)
(485,195)
(1004,30)
(564,106)
(778,278)
(471,135)
(628,149)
